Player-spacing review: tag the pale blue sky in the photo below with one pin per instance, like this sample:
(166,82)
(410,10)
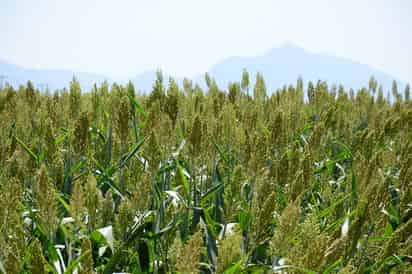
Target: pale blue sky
(185,37)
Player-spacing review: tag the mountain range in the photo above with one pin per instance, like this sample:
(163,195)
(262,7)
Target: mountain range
(279,66)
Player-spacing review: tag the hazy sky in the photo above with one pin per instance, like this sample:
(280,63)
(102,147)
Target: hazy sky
(185,37)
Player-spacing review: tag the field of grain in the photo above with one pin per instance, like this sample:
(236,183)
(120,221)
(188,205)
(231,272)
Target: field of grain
(307,179)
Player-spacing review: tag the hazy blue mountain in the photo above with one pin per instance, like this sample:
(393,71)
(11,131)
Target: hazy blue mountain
(53,79)
(282,66)
(279,66)
(58,79)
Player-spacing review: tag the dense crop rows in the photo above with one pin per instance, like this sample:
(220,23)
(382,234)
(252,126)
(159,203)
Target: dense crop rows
(306,180)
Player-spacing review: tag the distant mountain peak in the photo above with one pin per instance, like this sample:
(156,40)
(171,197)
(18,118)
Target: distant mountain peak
(291,46)
(284,51)
(286,47)
(280,66)
(284,64)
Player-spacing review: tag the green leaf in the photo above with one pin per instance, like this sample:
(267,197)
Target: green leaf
(236,268)
(221,153)
(113,186)
(181,178)
(354,189)
(27,149)
(138,106)
(44,239)
(210,237)
(329,209)
(132,152)
(332,267)
(61,138)
(210,193)
(61,200)
(74,264)
(256,268)
(244,220)
(340,221)
(77,167)
(210,223)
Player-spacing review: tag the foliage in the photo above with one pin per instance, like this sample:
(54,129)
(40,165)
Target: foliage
(206,181)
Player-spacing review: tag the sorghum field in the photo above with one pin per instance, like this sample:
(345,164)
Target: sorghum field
(307,179)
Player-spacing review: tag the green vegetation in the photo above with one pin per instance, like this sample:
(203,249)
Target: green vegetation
(211,181)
